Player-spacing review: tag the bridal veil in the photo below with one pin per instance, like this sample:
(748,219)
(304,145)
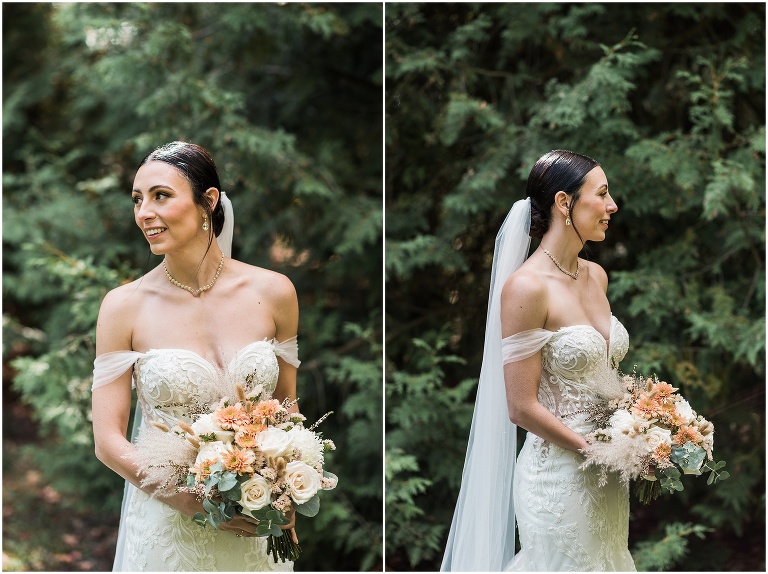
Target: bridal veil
(482,535)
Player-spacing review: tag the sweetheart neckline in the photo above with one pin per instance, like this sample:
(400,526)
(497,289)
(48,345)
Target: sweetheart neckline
(595,329)
(585,325)
(211,363)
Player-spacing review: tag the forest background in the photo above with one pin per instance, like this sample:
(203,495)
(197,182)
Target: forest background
(288,99)
(670,99)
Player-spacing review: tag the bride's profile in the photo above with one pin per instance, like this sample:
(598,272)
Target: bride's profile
(552,347)
(185,334)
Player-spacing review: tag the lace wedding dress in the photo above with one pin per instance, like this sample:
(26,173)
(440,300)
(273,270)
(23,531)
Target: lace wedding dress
(566,522)
(171,384)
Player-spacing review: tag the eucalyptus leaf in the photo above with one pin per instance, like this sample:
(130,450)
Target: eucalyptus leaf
(228,480)
(233,493)
(671,472)
(214,520)
(277,517)
(261,514)
(689,456)
(210,506)
(309,508)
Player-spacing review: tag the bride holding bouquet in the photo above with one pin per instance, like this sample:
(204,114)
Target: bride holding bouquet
(185,335)
(552,346)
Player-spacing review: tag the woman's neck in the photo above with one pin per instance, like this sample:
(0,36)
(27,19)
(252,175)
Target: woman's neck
(563,245)
(194,268)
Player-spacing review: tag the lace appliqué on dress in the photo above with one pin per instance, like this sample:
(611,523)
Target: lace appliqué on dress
(565,520)
(173,385)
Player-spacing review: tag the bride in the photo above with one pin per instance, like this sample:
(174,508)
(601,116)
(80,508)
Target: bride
(184,334)
(551,350)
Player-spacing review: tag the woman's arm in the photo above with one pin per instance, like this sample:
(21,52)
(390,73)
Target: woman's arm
(523,307)
(111,403)
(285,307)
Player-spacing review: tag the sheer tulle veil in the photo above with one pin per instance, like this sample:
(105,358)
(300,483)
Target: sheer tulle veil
(482,535)
(225,237)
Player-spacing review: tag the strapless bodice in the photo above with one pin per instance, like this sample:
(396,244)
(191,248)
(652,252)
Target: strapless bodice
(178,383)
(575,352)
(579,366)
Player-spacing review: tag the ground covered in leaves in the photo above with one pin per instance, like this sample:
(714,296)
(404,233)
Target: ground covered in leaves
(42,531)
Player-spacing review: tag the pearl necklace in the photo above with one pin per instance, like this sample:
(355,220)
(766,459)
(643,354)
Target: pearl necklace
(561,268)
(195,292)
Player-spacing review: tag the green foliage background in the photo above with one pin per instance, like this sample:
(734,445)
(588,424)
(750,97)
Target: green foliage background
(670,98)
(288,100)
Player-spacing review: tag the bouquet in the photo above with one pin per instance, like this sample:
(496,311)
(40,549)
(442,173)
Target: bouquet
(651,434)
(250,457)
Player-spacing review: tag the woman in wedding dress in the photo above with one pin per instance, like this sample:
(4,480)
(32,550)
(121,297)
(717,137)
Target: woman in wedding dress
(184,335)
(552,347)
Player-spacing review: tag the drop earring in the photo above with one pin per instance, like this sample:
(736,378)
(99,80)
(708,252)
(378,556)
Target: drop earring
(568,219)
(206,227)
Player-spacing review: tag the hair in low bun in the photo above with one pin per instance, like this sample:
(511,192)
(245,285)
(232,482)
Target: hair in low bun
(539,221)
(558,170)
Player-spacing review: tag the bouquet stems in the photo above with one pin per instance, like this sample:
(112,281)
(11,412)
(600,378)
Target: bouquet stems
(283,547)
(647,490)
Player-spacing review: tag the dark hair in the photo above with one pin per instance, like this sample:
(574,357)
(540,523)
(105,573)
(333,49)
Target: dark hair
(558,170)
(198,167)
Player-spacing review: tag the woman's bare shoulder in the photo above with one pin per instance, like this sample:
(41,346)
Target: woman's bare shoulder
(525,283)
(598,274)
(270,284)
(124,298)
(117,315)
(524,301)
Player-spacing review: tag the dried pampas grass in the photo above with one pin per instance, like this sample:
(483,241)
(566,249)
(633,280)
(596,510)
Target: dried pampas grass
(627,455)
(165,457)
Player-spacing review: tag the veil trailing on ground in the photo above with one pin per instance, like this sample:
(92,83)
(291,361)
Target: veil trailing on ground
(482,535)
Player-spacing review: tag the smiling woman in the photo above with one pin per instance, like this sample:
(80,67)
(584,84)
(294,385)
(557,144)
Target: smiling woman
(184,334)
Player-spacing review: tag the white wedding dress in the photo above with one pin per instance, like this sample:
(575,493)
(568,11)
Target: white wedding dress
(566,522)
(171,384)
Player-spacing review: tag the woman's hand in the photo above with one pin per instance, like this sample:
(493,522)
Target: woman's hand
(241,526)
(290,526)
(245,526)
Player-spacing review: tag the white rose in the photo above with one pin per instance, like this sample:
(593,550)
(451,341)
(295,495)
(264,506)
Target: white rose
(620,421)
(210,451)
(273,442)
(303,481)
(685,411)
(656,436)
(308,444)
(205,425)
(256,493)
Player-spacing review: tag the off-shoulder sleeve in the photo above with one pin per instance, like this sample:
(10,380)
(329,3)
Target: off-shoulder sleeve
(288,350)
(523,344)
(109,366)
